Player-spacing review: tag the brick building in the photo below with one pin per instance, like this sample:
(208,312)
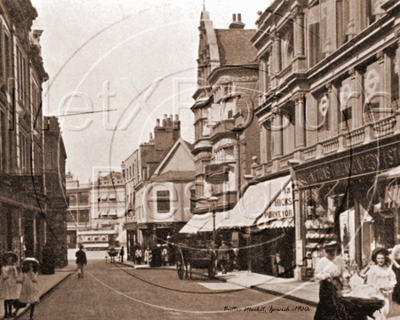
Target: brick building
(24,219)
(152,174)
(329,120)
(55,223)
(226,138)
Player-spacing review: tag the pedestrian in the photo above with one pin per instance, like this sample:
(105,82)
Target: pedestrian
(395,257)
(30,288)
(147,255)
(121,254)
(138,255)
(81,261)
(8,282)
(112,253)
(329,271)
(165,256)
(380,275)
(223,254)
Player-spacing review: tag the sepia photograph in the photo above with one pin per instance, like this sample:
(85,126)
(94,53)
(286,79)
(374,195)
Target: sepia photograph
(200,159)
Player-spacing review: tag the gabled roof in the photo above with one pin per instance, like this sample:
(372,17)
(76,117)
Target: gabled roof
(234,46)
(168,156)
(175,176)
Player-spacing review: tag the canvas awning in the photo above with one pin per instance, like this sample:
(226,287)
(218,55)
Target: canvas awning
(112,196)
(255,201)
(390,174)
(219,217)
(279,213)
(196,222)
(281,223)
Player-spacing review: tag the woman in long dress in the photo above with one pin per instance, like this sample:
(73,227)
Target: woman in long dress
(8,285)
(381,276)
(329,271)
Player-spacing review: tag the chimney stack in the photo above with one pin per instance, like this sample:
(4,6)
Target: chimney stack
(236,24)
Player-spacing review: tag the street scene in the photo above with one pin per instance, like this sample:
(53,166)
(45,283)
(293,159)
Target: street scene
(200,159)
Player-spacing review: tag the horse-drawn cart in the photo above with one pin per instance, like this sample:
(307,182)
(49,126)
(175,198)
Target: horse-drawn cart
(195,257)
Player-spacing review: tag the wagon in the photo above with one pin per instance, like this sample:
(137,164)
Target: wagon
(195,257)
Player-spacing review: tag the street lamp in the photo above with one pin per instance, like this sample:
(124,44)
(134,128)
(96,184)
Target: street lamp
(213,200)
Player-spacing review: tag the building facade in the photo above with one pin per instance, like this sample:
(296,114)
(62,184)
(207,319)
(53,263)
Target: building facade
(96,211)
(154,195)
(329,117)
(24,219)
(226,138)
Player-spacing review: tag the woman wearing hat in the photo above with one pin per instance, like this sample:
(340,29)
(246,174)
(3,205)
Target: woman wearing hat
(381,276)
(329,271)
(8,282)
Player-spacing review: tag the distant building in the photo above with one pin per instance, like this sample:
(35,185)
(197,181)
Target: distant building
(96,211)
(152,174)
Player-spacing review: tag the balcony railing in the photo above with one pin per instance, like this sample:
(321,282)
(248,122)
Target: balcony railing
(331,145)
(355,137)
(384,127)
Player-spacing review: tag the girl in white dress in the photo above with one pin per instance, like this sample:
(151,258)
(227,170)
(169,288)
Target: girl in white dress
(8,285)
(30,288)
(381,276)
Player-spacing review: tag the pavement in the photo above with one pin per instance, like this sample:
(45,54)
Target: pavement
(306,292)
(46,284)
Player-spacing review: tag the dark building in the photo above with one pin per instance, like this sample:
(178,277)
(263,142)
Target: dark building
(24,219)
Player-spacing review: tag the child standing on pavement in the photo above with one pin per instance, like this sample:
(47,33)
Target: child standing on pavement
(8,284)
(30,288)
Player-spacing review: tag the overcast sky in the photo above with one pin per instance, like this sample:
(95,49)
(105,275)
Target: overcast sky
(126,46)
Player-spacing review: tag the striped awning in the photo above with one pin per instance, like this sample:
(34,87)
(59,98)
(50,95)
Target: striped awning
(281,223)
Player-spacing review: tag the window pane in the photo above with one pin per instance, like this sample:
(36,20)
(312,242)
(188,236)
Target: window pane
(163,203)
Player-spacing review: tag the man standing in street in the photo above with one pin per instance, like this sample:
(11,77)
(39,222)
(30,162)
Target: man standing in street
(224,256)
(81,261)
(121,255)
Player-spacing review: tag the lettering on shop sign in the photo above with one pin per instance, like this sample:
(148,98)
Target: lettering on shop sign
(384,158)
(282,207)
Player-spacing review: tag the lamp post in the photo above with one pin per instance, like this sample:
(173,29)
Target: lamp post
(213,200)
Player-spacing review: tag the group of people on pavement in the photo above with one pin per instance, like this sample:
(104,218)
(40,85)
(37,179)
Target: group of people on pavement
(9,278)
(371,289)
(156,257)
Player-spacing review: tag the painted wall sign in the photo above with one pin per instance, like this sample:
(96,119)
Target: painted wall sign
(356,164)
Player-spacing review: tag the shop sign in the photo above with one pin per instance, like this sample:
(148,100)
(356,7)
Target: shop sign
(282,207)
(356,164)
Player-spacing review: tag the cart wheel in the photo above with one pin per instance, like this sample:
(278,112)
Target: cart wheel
(180,270)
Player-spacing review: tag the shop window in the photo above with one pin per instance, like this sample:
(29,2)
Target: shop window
(163,201)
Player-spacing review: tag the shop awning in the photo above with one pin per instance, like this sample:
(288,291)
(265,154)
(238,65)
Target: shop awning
(219,217)
(196,222)
(390,174)
(279,213)
(281,223)
(255,201)
(112,212)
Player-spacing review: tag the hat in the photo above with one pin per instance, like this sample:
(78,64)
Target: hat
(6,255)
(80,246)
(330,245)
(31,259)
(377,251)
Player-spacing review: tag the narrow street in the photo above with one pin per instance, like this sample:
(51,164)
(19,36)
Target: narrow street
(111,291)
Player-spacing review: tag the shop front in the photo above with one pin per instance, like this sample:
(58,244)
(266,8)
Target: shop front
(341,200)
(131,239)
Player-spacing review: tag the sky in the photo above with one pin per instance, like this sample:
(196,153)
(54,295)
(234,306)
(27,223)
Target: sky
(121,64)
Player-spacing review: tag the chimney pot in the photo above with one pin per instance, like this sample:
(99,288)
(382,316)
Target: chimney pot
(165,116)
(151,136)
(177,117)
(234,17)
(158,122)
(239,17)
